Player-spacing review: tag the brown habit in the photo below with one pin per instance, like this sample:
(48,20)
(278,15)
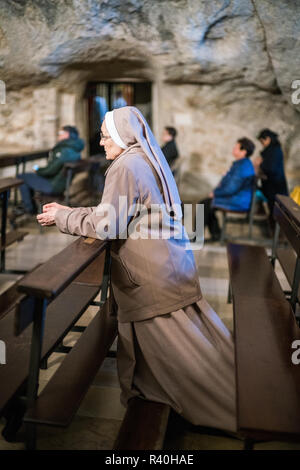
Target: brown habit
(172,347)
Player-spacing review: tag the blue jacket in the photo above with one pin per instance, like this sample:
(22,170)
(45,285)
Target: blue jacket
(234,192)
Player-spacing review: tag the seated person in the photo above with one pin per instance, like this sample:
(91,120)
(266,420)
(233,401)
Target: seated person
(234,192)
(52,179)
(169,148)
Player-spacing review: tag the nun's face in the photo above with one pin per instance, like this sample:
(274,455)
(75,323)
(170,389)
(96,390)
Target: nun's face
(112,150)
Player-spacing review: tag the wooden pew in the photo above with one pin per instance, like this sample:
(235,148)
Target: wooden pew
(287,216)
(68,385)
(62,314)
(54,297)
(144,426)
(60,399)
(267,381)
(22,158)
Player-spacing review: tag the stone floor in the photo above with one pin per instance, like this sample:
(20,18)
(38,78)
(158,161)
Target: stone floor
(99,416)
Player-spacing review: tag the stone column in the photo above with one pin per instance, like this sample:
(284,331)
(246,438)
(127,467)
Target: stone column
(45,112)
(67,109)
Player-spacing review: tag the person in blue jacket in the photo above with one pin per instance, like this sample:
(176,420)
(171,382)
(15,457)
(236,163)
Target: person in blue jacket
(235,190)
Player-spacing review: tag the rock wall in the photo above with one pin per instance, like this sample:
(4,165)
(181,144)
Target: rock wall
(220,70)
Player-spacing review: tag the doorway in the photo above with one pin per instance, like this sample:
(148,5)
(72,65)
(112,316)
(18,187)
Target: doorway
(106,96)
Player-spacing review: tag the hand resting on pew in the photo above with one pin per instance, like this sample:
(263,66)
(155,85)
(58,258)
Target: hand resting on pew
(49,211)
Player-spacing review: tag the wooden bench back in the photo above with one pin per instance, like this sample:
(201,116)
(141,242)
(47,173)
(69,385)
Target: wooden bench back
(267,380)
(287,214)
(49,279)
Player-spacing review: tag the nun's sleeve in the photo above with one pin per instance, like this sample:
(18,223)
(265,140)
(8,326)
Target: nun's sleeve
(108,220)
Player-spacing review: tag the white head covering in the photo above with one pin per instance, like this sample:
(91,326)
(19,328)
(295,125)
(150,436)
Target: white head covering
(128,127)
(112,130)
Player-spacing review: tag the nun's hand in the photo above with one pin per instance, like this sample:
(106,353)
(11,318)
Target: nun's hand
(49,212)
(47,218)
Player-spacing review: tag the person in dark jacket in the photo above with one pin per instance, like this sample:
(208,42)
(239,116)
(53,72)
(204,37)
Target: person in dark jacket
(169,148)
(235,190)
(271,168)
(52,178)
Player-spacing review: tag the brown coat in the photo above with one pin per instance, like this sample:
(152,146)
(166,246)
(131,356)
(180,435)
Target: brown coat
(149,277)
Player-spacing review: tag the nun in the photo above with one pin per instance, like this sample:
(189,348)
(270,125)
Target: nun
(172,347)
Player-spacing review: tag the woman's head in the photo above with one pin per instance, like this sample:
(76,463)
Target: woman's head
(268,137)
(126,130)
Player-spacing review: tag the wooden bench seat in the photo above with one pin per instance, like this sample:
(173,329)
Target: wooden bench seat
(267,382)
(144,426)
(251,273)
(62,313)
(60,399)
(45,289)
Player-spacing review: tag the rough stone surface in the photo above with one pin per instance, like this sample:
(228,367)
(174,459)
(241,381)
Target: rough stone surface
(221,70)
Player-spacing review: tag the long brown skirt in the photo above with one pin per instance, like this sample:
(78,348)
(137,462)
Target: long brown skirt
(184,359)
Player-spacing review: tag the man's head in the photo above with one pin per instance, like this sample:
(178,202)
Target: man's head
(67,132)
(243,148)
(169,134)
